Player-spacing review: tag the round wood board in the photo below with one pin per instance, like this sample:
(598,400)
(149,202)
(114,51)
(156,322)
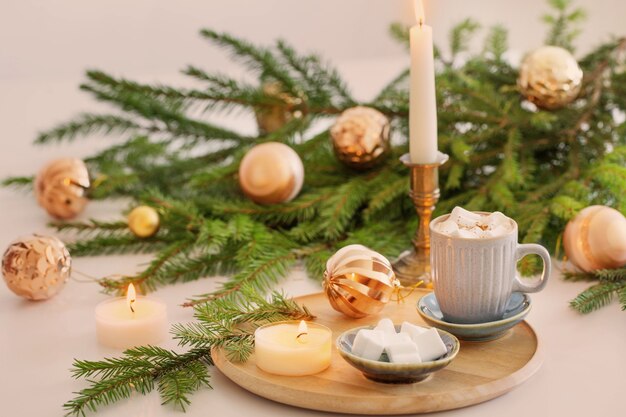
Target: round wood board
(481,371)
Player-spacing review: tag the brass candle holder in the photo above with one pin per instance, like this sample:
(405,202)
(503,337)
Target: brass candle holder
(414,265)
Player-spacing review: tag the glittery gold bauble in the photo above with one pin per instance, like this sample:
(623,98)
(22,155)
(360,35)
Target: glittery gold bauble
(360,137)
(61,187)
(36,267)
(550,77)
(271,118)
(358,281)
(596,239)
(143,221)
(271,173)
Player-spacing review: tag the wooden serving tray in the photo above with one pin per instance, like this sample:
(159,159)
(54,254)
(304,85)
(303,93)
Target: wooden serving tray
(481,371)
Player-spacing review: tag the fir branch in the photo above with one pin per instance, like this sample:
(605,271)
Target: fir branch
(400,33)
(20,183)
(597,296)
(88,124)
(315,78)
(251,307)
(117,244)
(147,107)
(563,24)
(496,43)
(460,36)
(177,376)
(256,58)
(90,227)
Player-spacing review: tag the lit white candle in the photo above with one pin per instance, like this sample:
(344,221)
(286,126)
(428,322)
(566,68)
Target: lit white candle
(292,348)
(423,104)
(130,321)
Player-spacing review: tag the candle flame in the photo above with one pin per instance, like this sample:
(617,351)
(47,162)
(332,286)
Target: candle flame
(303,331)
(418,6)
(303,328)
(131,296)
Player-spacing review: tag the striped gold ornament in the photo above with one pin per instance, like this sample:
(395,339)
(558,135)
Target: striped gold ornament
(359,281)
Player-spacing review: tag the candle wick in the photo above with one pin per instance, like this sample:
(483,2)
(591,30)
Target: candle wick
(421,22)
(303,335)
(131,305)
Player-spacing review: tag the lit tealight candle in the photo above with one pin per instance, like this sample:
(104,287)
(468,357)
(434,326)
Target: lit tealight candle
(292,348)
(130,321)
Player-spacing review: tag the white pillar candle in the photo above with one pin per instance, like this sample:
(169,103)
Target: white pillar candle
(129,321)
(292,348)
(423,104)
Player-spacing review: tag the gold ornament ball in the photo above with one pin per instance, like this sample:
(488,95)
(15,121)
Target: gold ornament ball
(143,221)
(550,77)
(359,281)
(360,137)
(596,239)
(60,187)
(271,118)
(271,173)
(36,267)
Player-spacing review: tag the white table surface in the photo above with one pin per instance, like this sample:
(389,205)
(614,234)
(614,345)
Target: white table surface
(584,356)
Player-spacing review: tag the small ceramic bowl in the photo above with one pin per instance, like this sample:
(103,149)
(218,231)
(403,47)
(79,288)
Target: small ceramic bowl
(517,309)
(395,373)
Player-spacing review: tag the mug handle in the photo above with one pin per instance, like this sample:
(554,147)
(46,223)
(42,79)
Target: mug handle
(533,249)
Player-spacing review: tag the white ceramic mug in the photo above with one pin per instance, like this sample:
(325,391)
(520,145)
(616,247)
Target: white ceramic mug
(474,278)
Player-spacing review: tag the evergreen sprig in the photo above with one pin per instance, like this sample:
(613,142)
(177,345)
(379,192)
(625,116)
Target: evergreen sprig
(611,285)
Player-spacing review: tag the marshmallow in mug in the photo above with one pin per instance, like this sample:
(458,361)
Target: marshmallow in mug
(467,224)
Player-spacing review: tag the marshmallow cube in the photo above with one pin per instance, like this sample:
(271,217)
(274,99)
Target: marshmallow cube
(368,344)
(386,327)
(391,339)
(469,234)
(430,345)
(496,219)
(411,329)
(448,227)
(403,350)
(464,218)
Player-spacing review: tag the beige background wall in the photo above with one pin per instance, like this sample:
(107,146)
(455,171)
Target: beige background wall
(59,38)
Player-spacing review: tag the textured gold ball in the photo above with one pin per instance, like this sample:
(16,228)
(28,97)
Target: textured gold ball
(550,77)
(360,137)
(60,187)
(271,118)
(36,267)
(143,221)
(596,239)
(271,173)
(359,281)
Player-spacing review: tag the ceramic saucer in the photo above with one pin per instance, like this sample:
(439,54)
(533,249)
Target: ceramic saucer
(517,308)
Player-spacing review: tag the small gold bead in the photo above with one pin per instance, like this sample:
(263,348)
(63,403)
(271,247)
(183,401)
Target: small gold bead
(143,221)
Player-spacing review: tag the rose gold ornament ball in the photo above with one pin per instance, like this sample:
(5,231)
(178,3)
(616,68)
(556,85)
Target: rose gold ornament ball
(60,187)
(360,137)
(36,267)
(596,239)
(550,77)
(271,173)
